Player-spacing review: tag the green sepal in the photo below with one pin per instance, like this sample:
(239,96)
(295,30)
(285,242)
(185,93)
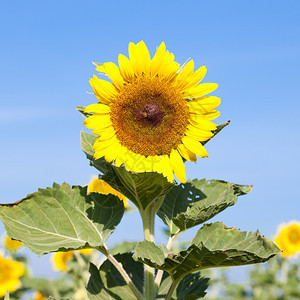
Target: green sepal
(215,132)
(213,246)
(107,283)
(188,205)
(62,218)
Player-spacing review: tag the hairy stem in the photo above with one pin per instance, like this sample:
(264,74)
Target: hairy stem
(123,273)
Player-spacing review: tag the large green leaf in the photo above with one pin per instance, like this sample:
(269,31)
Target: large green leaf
(60,218)
(213,246)
(107,283)
(188,205)
(141,188)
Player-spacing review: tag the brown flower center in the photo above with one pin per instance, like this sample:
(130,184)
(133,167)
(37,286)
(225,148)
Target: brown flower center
(149,116)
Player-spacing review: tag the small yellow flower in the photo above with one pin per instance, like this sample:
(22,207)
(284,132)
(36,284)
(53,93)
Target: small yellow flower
(60,258)
(154,114)
(10,272)
(288,238)
(39,296)
(101,187)
(11,245)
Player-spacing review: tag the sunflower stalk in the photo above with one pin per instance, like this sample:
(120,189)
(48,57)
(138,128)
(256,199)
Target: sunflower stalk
(148,218)
(123,273)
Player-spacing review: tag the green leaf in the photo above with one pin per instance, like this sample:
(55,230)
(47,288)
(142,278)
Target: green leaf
(148,251)
(188,205)
(192,287)
(107,283)
(122,248)
(60,218)
(213,246)
(141,188)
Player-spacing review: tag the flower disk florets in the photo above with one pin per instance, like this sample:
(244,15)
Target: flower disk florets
(149,117)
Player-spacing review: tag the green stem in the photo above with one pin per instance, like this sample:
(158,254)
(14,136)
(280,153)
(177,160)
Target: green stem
(85,274)
(171,289)
(160,272)
(158,204)
(148,217)
(123,273)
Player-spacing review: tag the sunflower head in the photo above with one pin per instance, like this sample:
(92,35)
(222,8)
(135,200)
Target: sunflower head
(60,258)
(288,238)
(154,114)
(100,186)
(12,245)
(10,273)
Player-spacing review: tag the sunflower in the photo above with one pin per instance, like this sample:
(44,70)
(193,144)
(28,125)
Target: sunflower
(39,296)
(10,273)
(288,238)
(12,245)
(61,258)
(100,186)
(154,114)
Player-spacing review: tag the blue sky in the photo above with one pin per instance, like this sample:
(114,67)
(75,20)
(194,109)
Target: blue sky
(251,49)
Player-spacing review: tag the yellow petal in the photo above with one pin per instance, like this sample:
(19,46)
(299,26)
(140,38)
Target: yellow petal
(112,153)
(203,104)
(102,187)
(184,76)
(107,133)
(199,118)
(202,124)
(166,167)
(126,69)
(158,58)
(139,57)
(163,64)
(195,78)
(194,146)
(113,73)
(97,108)
(186,153)
(97,121)
(177,165)
(198,134)
(200,90)
(100,145)
(104,90)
